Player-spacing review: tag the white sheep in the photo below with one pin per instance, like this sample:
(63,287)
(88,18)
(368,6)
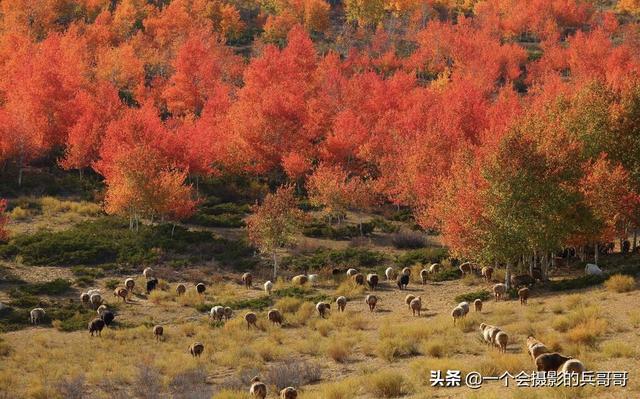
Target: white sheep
(390,273)
(322,308)
(423,276)
(499,290)
(352,272)
(129,284)
(341,302)
(465,307)
(434,268)
(408,300)
(416,305)
(268,286)
(96,300)
(148,272)
(258,389)
(37,315)
(477,305)
(314,278)
(371,300)
(217,313)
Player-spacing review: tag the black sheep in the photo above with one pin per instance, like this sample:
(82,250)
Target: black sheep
(403,281)
(107,316)
(96,326)
(201,288)
(152,284)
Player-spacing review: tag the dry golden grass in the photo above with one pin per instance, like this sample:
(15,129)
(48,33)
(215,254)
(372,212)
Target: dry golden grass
(620,283)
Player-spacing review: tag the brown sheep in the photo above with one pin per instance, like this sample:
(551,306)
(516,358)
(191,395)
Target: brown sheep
(122,293)
(258,389)
(465,268)
(371,300)
(251,319)
(501,339)
(358,279)
(96,326)
(322,308)
(372,281)
(300,279)
(341,302)
(289,393)
(181,289)
(196,349)
(550,361)
(158,331)
(408,300)
(423,275)
(477,305)
(499,290)
(487,272)
(457,313)
(523,294)
(201,288)
(537,350)
(275,316)
(84,298)
(129,284)
(416,305)
(228,312)
(522,279)
(572,366)
(247,279)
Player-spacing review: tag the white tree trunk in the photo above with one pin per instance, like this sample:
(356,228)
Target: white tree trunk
(507,276)
(595,254)
(275,267)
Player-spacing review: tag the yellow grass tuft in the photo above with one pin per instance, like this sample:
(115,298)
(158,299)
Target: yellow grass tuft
(387,384)
(620,283)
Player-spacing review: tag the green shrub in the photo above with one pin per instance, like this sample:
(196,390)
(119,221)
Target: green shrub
(85,281)
(339,232)
(384,226)
(112,283)
(323,257)
(408,240)
(447,274)
(58,286)
(576,283)
(12,319)
(472,296)
(422,256)
(221,220)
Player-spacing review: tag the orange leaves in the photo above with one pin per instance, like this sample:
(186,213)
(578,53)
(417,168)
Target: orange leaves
(4,234)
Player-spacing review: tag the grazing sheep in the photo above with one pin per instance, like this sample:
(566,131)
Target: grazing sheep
(550,361)
(341,302)
(107,316)
(228,312)
(358,278)
(572,366)
(275,316)
(487,332)
(402,281)
(523,294)
(84,298)
(591,269)
(416,305)
(314,278)
(371,300)
(258,389)
(96,326)
(158,331)
(408,299)
(477,305)
(352,272)
(536,349)
(181,289)
(101,309)
(435,268)
(423,275)
(322,308)
(289,393)
(151,285)
(499,290)
(251,319)
(465,307)
(129,284)
(268,287)
(522,279)
(501,339)
(201,288)
(372,281)
(96,300)
(94,291)
(390,273)
(247,279)
(36,315)
(122,293)
(487,272)
(406,271)
(465,268)
(148,272)
(300,279)
(196,349)
(457,313)
(217,313)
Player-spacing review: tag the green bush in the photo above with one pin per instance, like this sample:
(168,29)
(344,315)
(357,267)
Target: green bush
(472,296)
(105,240)
(338,232)
(85,281)
(323,257)
(221,220)
(576,283)
(112,284)
(12,319)
(384,226)
(58,286)
(422,256)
